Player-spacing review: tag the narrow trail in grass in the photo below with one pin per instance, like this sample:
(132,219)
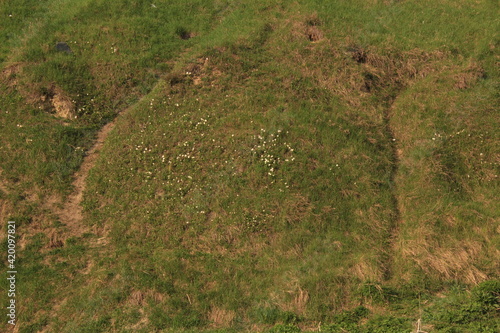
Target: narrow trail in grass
(71,213)
(395,218)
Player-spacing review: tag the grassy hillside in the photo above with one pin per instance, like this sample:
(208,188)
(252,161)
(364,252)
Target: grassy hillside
(267,166)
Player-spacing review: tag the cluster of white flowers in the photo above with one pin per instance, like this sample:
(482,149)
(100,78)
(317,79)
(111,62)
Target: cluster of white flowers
(253,224)
(201,122)
(186,156)
(271,150)
(436,136)
(143,149)
(480,158)
(256,220)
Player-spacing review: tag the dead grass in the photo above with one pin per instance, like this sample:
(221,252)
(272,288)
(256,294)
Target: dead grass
(308,28)
(300,301)
(10,73)
(136,298)
(221,318)
(62,104)
(210,241)
(313,33)
(88,269)
(457,264)
(198,71)
(354,73)
(469,76)
(55,239)
(365,270)
(448,263)
(294,299)
(312,29)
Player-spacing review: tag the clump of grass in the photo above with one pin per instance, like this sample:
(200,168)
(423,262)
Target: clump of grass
(463,311)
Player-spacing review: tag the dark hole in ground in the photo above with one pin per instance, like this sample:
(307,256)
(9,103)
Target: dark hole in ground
(314,34)
(47,93)
(63,47)
(175,79)
(358,54)
(370,82)
(183,33)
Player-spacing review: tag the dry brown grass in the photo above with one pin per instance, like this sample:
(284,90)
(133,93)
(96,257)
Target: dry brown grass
(62,104)
(293,297)
(313,33)
(456,261)
(364,270)
(300,301)
(469,76)
(137,298)
(306,28)
(354,73)
(10,73)
(221,318)
(55,239)
(422,246)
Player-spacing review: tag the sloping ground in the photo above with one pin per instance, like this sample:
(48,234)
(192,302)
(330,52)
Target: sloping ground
(286,173)
(71,212)
(454,157)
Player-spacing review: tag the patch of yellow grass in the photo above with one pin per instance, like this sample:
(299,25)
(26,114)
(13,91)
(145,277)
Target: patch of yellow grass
(221,318)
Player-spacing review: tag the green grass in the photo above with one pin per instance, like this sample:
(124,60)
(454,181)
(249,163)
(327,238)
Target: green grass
(279,167)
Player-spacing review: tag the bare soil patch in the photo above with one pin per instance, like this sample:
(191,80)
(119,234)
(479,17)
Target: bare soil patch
(10,74)
(55,100)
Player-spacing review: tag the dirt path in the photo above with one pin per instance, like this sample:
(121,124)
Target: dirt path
(71,213)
